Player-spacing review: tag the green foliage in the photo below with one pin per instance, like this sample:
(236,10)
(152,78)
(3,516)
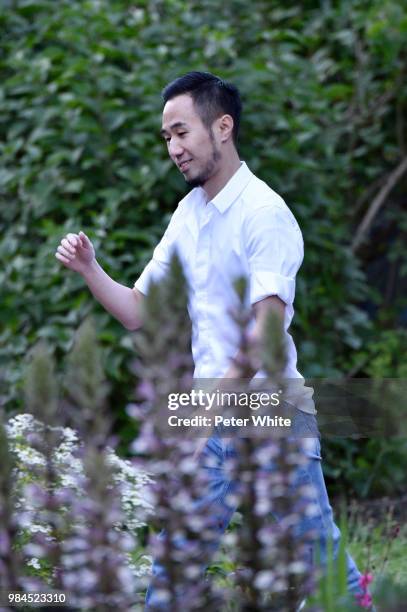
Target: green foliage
(367,467)
(378,543)
(392,596)
(85,376)
(85,387)
(372,467)
(40,385)
(375,545)
(331,592)
(381,358)
(324,93)
(372,545)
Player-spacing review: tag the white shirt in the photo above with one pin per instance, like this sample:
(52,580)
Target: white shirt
(245,230)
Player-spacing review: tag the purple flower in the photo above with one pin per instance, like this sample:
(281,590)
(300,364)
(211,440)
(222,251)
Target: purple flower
(365,580)
(365,600)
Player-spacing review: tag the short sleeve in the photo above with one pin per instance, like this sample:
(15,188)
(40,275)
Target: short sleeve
(275,251)
(159,264)
(156,268)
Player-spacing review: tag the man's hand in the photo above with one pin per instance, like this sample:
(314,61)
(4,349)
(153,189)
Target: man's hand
(76,252)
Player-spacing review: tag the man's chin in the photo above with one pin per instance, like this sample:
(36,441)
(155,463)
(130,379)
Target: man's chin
(194,182)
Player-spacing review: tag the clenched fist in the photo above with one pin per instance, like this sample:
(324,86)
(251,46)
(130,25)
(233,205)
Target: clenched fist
(76,252)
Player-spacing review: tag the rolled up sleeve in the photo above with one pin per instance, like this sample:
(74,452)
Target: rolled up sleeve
(275,251)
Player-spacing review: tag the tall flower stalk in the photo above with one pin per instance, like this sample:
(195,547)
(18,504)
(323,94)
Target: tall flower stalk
(41,399)
(165,366)
(273,573)
(96,571)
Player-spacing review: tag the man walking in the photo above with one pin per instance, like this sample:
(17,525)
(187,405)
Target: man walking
(230,224)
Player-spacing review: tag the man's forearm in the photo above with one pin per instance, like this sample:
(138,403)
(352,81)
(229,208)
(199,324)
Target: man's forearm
(247,363)
(122,302)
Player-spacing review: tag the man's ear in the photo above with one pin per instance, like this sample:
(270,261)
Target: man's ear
(225,126)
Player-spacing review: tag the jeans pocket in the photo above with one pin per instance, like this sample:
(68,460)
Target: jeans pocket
(304,425)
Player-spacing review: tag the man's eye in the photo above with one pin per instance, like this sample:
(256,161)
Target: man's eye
(168,138)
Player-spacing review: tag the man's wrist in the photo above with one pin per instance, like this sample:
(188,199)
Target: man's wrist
(90,270)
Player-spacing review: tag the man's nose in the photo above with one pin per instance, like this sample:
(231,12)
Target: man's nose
(175,148)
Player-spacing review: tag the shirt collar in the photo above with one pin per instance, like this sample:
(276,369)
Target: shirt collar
(233,188)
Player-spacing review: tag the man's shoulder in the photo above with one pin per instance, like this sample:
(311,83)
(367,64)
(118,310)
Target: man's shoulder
(189,201)
(258,194)
(259,199)
(185,205)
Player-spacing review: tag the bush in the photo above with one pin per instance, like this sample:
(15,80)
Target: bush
(324,97)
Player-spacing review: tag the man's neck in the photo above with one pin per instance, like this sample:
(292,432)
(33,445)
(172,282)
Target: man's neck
(217,182)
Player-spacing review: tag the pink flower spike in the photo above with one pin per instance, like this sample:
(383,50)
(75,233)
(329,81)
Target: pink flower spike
(365,600)
(365,580)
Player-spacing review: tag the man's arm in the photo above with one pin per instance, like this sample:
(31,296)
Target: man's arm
(261,309)
(77,253)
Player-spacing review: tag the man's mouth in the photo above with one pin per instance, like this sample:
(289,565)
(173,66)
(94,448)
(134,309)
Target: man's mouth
(184,165)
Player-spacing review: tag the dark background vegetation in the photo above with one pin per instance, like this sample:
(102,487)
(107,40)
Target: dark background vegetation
(324,86)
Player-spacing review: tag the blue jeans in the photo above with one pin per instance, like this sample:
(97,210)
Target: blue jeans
(216,498)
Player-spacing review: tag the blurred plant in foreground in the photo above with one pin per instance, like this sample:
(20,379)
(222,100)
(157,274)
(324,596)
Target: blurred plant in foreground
(183,549)
(76,507)
(71,509)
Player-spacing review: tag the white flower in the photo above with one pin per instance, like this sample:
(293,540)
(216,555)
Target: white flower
(18,425)
(264,579)
(34,563)
(29,456)
(40,528)
(29,474)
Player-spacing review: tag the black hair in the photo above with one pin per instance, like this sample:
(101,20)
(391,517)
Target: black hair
(211,95)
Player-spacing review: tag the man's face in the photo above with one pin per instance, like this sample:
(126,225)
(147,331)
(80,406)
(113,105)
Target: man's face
(191,147)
